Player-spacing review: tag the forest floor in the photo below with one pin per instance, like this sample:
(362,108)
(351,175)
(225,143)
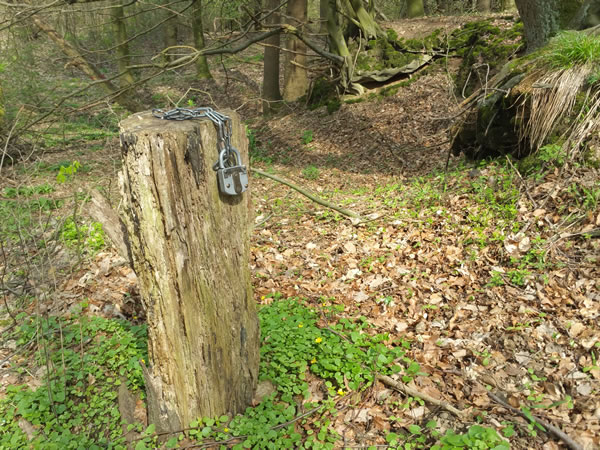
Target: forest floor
(488,276)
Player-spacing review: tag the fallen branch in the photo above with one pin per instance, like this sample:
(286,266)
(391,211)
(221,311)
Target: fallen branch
(314,198)
(591,233)
(555,431)
(414,393)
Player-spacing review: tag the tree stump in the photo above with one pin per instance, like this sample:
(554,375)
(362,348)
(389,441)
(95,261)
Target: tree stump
(190,250)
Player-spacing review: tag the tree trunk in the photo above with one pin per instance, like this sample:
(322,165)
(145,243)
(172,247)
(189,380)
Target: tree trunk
(170,36)
(323,8)
(256,11)
(120,36)
(87,67)
(508,4)
(581,19)
(2,110)
(296,76)
(484,6)
(190,250)
(270,88)
(202,70)
(337,43)
(366,21)
(540,21)
(415,8)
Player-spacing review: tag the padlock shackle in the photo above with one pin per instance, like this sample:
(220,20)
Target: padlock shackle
(229,151)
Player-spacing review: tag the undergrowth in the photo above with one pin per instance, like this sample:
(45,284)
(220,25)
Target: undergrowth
(83,360)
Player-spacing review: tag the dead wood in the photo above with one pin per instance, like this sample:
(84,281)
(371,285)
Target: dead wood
(555,431)
(314,198)
(415,393)
(101,211)
(190,247)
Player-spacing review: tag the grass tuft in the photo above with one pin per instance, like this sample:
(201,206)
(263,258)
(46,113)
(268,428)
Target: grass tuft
(572,48)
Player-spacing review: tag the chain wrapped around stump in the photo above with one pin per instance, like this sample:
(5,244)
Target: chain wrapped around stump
(232,175)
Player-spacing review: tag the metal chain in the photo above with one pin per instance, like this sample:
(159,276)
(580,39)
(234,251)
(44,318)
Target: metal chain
(221,121)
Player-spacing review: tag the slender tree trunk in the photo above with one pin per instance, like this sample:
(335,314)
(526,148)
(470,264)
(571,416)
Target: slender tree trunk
(366,21)
(540,20)
(190,248)
(256,13)
(202,70)
(323,8)
(77,60)
(270,88)
(2,109)
(337,42)
(484,6)
(415,8)
(508,4)
(170,35)
(120,36)
(580,17)
(296,76)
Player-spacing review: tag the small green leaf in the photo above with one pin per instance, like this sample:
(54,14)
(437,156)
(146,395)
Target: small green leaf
(414,429)
(391,437)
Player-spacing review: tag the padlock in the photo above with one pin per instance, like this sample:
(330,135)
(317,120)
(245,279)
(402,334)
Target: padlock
(232,176)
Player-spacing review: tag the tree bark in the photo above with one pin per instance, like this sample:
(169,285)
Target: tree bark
(100,210)
(337,42)
(86,66)
(581,18)
(415,8)
(120,36)
(296,76)
(270,89)
(202,70)
(508,4)
(366,21)
(190,250)
(540,20)
(323,8)
(484,6)
(170,35)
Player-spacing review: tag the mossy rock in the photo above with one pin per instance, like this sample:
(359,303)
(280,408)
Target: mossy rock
(483,43)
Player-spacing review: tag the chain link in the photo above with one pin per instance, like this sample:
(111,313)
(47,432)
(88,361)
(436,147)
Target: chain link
(221,121)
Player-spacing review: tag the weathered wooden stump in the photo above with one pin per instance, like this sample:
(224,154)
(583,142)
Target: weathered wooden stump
(190,251)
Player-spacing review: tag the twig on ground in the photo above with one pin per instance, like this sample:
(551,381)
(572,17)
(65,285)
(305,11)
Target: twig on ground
(414,393)
(262,222)
(592,233)
(314,198)
(555,431)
